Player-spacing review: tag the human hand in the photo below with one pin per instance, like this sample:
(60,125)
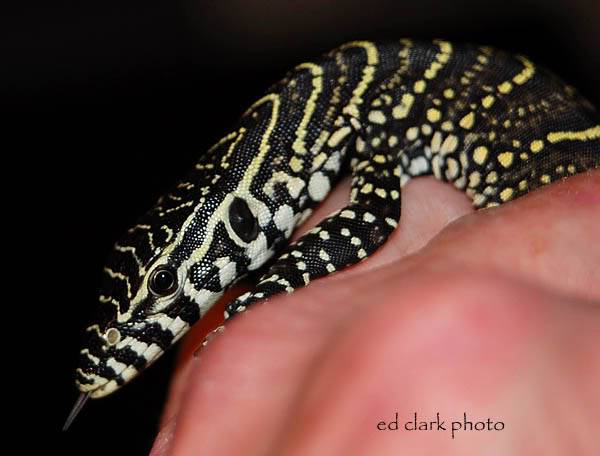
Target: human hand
(496,315)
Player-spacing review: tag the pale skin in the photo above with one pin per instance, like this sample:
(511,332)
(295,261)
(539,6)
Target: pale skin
(496,314)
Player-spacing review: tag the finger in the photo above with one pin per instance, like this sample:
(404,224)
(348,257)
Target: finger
(427,207)
(574,209)
(475,343)
(311,379)
(548,237)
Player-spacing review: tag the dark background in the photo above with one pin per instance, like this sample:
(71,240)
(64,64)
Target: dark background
(107,103)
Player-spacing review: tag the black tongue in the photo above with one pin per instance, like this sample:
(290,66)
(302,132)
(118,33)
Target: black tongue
(81,400)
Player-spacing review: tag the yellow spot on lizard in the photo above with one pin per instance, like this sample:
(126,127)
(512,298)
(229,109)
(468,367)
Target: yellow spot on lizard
(488,101)
(433,115)
(419,86)
(506,194)
(449,94)
(506,159)
(401,111)
(505,87)
(536,146)
(480,155)
(467,121)
(377,117)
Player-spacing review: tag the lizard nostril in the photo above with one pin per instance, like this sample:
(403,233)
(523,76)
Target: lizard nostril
(113,336)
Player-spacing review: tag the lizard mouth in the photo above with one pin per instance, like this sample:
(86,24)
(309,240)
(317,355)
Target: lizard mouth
(120,364)
(97,386)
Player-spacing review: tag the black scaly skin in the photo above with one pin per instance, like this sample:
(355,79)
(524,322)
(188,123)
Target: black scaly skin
(492,124)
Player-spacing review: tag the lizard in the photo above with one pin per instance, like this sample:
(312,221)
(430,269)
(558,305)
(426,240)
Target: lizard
(493,124)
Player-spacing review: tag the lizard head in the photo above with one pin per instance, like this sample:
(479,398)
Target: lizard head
(158,282)
(167,271)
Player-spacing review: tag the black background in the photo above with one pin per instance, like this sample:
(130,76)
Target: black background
(108,103)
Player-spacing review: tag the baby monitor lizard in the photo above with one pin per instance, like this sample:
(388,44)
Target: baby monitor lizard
(492,124)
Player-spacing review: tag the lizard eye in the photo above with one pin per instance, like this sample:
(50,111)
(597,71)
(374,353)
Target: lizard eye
(163,281)
(242,220)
